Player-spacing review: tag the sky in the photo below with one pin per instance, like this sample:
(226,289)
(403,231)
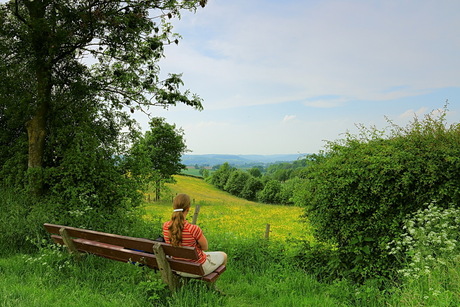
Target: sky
(285,77)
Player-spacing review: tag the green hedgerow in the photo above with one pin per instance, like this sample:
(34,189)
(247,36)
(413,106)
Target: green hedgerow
(358,193)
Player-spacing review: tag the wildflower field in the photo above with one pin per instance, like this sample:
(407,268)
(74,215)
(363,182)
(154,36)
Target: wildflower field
(225,216)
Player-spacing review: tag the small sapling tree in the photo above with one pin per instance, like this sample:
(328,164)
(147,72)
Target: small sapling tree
(156,155)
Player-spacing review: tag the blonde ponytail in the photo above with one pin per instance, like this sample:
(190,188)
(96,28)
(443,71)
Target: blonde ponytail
(181,201)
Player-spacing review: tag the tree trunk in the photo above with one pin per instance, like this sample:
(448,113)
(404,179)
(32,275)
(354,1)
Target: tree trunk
(37,126)
(36,130)
(157,190)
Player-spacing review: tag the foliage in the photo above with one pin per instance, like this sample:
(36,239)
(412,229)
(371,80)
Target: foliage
(17,220)
(430,240)
(70,67)
(156,156)
(255,171)
(71,74)
(236,182)
(252,186)
(439,287)
(22,218)
(270,193)
(276,187)
(288,190)
(220,176)
(204,173)
(285,170)
(318,260)
(359,192)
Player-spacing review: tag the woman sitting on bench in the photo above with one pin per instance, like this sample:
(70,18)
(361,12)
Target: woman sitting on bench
(179,232)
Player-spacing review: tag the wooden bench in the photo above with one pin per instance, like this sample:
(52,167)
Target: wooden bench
(153,254)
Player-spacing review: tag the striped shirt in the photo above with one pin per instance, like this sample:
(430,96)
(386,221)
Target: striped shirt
(190,236)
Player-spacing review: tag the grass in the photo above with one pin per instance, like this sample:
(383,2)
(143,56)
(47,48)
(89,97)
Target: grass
(192,172)
(260,272)
(223,215)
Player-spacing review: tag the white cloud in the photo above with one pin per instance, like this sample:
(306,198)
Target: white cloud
(288,118)
(349,48)
(411,113)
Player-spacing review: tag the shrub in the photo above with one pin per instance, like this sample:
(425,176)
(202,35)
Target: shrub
(220,176)
(270,194)
(251,187)
(358,193)
(236,182)
(430,239)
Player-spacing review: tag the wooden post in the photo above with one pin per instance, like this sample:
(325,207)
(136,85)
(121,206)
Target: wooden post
(163,265)
(267,231)
(68,243)
(195,215)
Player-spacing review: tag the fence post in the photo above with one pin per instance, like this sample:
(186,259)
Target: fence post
(195,215)
(267,231)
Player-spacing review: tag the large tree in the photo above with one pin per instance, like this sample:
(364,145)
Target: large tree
(62,54)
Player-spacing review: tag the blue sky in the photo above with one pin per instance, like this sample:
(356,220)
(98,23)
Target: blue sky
(284,77)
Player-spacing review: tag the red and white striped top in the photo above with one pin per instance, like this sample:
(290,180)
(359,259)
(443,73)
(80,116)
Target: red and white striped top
(190,236)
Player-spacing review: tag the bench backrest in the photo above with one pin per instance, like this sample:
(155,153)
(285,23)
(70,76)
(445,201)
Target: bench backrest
(126,249)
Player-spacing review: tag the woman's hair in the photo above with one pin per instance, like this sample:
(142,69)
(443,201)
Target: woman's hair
(181,201)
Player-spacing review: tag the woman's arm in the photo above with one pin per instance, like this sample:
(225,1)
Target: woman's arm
(203,242)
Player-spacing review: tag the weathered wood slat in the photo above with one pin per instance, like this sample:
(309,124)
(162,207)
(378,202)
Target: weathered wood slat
(124,241)
(122,254)
(212,277)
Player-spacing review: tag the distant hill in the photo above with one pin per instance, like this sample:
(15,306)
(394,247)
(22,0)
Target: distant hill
(238,160)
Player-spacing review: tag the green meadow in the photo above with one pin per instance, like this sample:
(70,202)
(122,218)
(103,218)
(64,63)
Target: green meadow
(261,271)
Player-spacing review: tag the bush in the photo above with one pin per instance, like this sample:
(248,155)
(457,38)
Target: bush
(358,193)
(22,218)
(270,194)
(430,240)
(15,221)
(251,187)
(236,182)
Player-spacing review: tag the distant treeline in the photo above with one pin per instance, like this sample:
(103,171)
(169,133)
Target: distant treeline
(274,184)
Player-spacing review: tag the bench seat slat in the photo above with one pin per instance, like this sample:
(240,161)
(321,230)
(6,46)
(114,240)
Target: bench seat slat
(212,277)
(124,241)
(122,254)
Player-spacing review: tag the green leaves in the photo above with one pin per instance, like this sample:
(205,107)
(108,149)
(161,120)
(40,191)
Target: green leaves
(358,192)
(156,156)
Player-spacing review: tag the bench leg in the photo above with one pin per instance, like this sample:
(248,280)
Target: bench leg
(69,243)
(165,270)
